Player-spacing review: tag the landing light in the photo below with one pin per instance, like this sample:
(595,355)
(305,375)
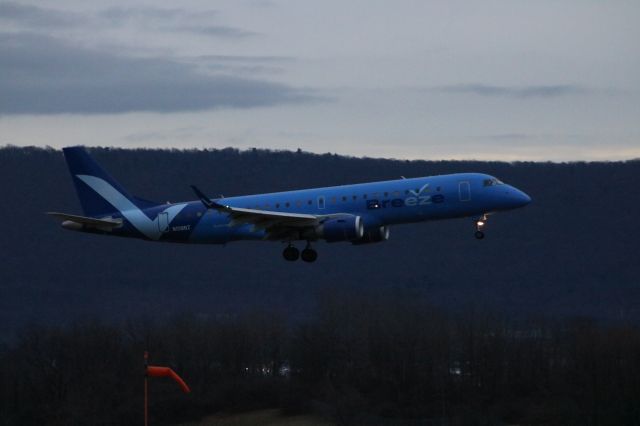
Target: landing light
(480,223)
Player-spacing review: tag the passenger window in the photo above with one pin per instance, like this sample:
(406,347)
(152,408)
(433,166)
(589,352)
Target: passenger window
(334,200)
(344,198)
(309,202)
(277,205)
(355,197)
(287,204)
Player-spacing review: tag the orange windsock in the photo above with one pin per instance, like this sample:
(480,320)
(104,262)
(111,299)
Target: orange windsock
(155,371)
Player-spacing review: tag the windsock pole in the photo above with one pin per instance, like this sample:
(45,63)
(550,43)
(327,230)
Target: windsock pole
(146,389)
(157,371)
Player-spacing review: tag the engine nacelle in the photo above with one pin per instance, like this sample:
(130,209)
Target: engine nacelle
(343,228)
(373,235)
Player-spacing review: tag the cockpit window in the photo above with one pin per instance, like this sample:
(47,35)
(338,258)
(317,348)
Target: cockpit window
(493,182)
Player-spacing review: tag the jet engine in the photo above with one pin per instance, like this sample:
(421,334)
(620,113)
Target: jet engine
(373,235)
(342,228)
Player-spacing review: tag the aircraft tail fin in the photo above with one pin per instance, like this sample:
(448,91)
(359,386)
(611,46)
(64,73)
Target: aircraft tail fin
(99,193)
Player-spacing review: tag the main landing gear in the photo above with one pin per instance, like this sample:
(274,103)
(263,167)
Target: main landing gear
(480,223)
(309,254)
(292,254)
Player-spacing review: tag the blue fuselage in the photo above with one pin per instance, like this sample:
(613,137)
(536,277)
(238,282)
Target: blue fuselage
(377,204)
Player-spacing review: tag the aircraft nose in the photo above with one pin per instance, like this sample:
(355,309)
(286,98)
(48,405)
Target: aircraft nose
(513,198)
(521,198)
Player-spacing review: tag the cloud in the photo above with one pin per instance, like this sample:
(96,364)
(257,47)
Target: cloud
(177,20)
(150,13)
(36,17)
(172,19)
(212,30)
(521,92)
(510,136)
(242,65)
(179,134)
(43,75)
(241,58)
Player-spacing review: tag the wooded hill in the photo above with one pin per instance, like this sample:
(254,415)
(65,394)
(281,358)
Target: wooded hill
(572,252)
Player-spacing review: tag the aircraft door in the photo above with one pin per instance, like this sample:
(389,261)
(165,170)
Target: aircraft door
(464,191)
(163,222)
(321,202)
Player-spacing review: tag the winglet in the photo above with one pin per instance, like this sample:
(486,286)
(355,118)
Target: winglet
(206,200)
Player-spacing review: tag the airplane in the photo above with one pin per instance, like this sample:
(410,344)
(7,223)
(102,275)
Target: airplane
(358,213)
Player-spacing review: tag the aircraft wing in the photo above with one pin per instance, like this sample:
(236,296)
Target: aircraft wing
(278,225)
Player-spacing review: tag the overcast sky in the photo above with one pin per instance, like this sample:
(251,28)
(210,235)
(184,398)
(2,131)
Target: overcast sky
(508,80)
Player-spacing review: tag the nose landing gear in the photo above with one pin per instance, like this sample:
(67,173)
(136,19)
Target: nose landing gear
(480,223)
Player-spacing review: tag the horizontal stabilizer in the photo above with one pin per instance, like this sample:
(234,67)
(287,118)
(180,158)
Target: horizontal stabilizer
(72,221)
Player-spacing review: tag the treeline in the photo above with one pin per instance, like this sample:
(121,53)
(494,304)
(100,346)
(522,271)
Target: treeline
(375,358)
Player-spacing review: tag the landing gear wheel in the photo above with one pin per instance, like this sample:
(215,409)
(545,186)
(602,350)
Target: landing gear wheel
(479,235)
(291,253)
(309,255)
